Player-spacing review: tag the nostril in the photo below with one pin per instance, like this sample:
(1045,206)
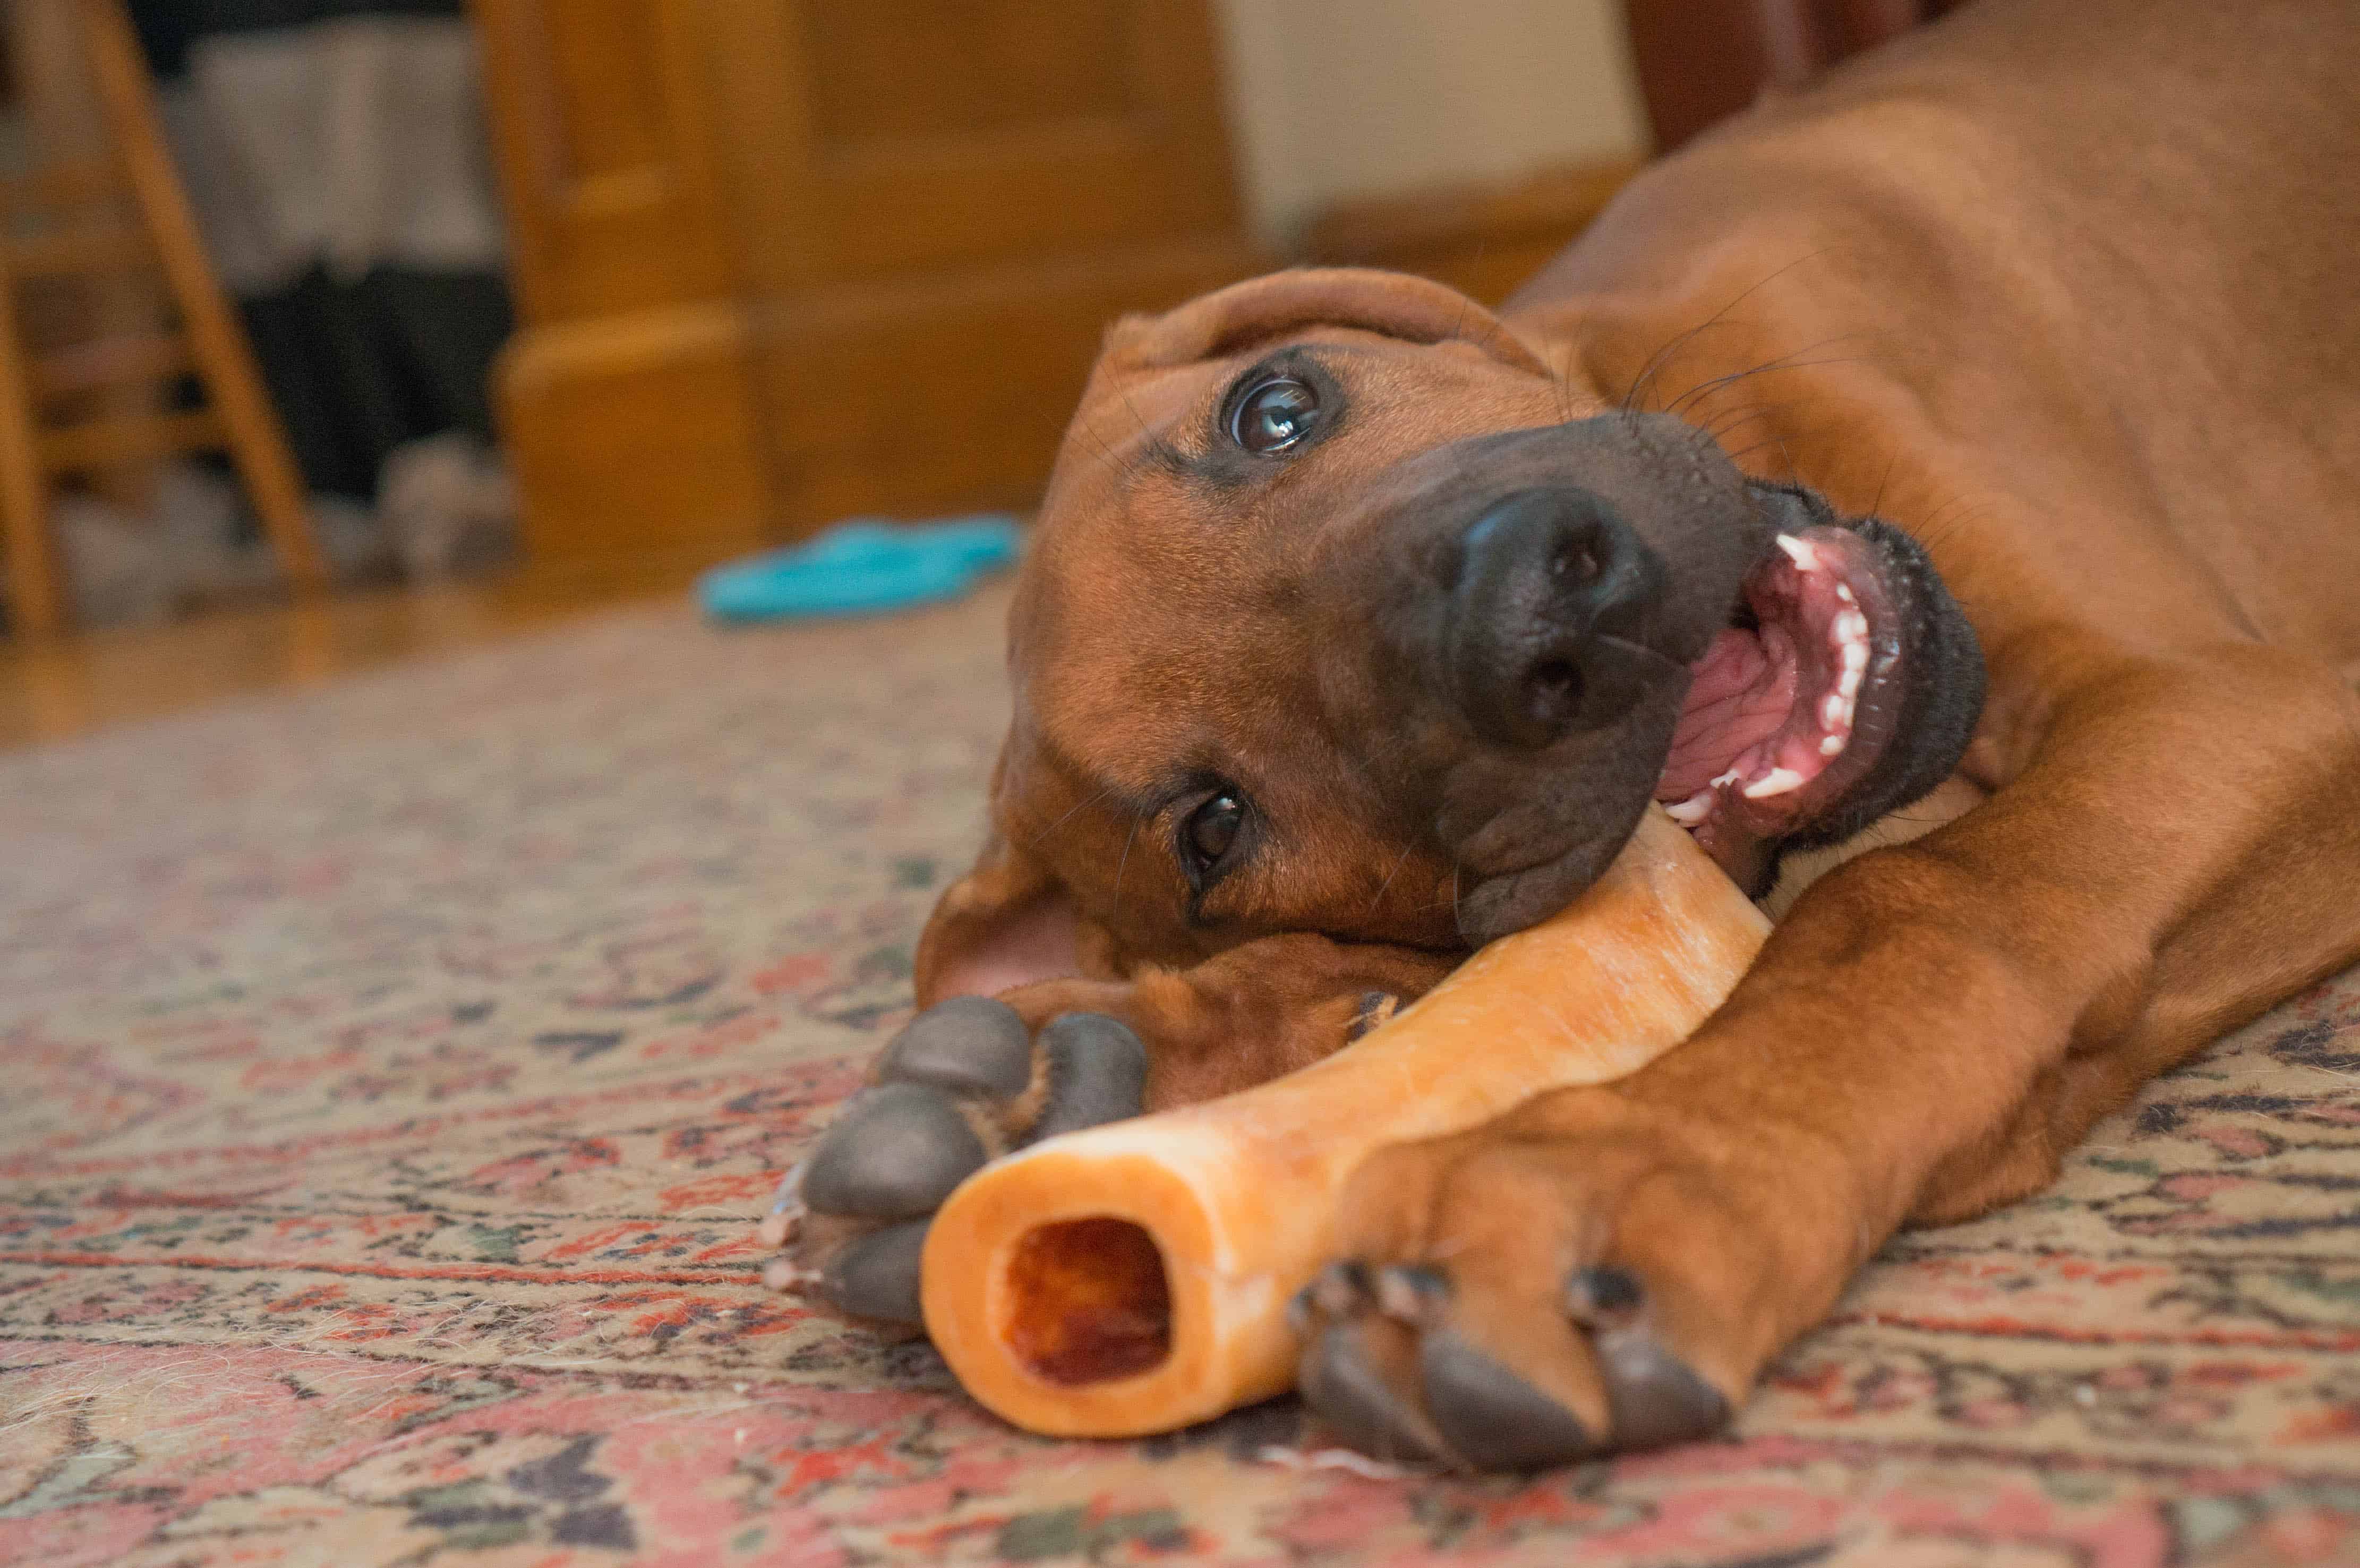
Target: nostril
(1576,567)
(1552,691)
(1556,675)
(1599,574)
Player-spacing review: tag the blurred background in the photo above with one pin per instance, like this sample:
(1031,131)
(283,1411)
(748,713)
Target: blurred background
(337,329)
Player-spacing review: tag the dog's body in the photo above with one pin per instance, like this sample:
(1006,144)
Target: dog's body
(1361,625)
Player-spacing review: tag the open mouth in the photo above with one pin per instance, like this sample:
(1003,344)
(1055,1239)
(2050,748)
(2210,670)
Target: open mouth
(1792,704)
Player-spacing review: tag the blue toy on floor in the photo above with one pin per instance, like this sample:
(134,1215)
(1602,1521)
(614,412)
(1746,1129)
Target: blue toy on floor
(862,567)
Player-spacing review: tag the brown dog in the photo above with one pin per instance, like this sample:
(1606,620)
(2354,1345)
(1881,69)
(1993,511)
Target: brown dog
(1360,626)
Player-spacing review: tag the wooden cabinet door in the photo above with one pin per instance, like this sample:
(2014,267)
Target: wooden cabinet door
(878,137)
(941,204)
(598,111)
(627,396)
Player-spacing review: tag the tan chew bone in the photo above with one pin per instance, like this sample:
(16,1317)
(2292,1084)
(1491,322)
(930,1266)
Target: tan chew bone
(1134,1278)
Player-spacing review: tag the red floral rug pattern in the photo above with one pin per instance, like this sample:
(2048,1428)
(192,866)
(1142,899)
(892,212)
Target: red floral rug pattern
(393,1074)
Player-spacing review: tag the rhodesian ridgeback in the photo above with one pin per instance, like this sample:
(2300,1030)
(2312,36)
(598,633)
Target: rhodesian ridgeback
(1939,488)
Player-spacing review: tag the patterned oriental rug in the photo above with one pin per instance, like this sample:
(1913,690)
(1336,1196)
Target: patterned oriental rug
(393,1074)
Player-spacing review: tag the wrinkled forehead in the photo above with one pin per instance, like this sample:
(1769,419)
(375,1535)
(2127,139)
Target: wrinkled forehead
(1142,586)
(1132,689)
(1144,655)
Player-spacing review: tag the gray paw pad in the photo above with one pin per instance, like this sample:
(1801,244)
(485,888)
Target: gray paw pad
(1656,1398)
(1097,1072)
(895,1154)
(1495,1419)
(1343,1376)
(877,1276)
(968,1045)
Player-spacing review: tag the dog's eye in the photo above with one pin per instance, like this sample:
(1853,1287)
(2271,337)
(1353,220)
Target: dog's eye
(1212,828)
(1274,415)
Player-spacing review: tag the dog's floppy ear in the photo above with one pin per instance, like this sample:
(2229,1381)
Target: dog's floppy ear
(1397,304)
(1006,923)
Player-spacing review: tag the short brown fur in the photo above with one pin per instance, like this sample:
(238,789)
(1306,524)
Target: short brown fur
(2064,292)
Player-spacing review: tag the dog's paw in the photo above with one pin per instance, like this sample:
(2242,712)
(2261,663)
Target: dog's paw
(964,1083)
(1520,1296)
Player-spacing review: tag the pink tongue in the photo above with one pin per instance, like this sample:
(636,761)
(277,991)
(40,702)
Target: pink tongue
(1740,695)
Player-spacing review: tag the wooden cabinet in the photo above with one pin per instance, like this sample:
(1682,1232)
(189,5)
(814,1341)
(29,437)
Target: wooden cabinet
(784,260)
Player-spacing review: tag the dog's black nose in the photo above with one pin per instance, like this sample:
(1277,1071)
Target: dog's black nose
(1548,609)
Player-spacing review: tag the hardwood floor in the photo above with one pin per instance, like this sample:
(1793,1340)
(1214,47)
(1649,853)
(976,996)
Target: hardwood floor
(84,681)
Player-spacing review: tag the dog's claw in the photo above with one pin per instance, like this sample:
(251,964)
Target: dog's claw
(1602,1294)
(789,1193)
(1490,1416)
(778,1226)
(1342,1290)
(1376,1009)
(1656,1398)
(785,1274)
(895,1154)
(1412,1293)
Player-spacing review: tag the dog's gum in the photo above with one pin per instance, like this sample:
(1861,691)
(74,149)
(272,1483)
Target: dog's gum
(1134,1278)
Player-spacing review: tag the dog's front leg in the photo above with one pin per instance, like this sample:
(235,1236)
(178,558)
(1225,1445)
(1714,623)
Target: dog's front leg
(1926,1034)
(973,1077)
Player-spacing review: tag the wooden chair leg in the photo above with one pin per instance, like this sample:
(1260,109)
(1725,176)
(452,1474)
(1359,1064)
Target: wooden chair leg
(37,604)
(224,359)
(115,304)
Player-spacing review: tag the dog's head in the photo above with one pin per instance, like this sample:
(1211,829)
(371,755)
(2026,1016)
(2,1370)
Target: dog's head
(1346,614)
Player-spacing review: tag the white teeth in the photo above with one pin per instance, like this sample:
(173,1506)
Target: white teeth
(1726,779)
(1692,810)
(1835,716)
(1851,660)
(1835,709)
(1777,781)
